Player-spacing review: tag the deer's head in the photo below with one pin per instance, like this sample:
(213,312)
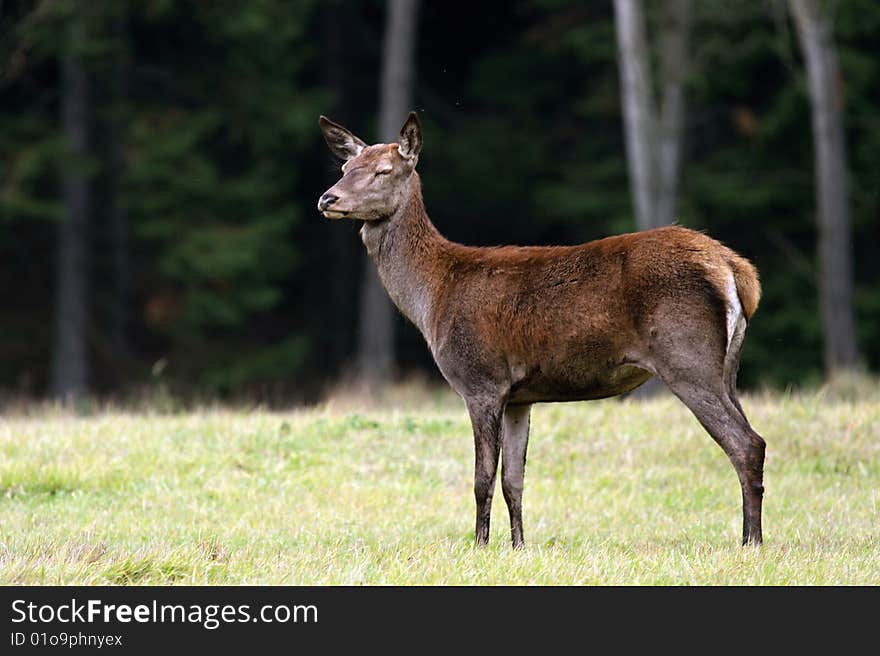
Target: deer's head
(375,179)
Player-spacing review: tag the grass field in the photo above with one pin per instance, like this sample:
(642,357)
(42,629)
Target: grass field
(630,492)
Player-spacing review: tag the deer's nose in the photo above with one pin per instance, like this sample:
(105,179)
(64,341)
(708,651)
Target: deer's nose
(325,201)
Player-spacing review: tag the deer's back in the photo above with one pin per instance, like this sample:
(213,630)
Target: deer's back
(567,321)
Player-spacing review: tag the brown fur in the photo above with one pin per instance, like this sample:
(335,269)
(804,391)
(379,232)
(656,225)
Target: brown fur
(514,325)
(747,284)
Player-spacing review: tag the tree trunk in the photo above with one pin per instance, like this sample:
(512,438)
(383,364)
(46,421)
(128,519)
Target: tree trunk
(833,221)
(376,340)
(637,105)
(339,24)
(70,370)
(653,138)
(674,29)
(118,219)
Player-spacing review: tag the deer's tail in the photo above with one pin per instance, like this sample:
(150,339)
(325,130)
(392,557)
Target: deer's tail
(748,286)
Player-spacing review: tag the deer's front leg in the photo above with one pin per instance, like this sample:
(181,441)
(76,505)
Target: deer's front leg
(486,421)
(514,442)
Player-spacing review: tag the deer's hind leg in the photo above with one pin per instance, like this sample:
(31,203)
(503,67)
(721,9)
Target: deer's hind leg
(701,371)
(744,447)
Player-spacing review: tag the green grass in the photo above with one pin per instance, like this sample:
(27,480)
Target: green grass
(616,493)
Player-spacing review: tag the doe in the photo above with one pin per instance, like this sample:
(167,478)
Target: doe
(511,326)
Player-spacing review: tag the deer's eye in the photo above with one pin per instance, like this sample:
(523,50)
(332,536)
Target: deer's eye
(383,170)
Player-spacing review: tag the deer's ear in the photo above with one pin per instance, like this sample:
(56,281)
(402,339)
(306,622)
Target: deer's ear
(411,137)
(342,142)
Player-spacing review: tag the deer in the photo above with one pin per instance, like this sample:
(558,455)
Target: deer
(511,326)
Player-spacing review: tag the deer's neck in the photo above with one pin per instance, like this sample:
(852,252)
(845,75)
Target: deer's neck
(406,249)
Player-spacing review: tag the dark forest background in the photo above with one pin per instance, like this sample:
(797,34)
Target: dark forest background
(160,162)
